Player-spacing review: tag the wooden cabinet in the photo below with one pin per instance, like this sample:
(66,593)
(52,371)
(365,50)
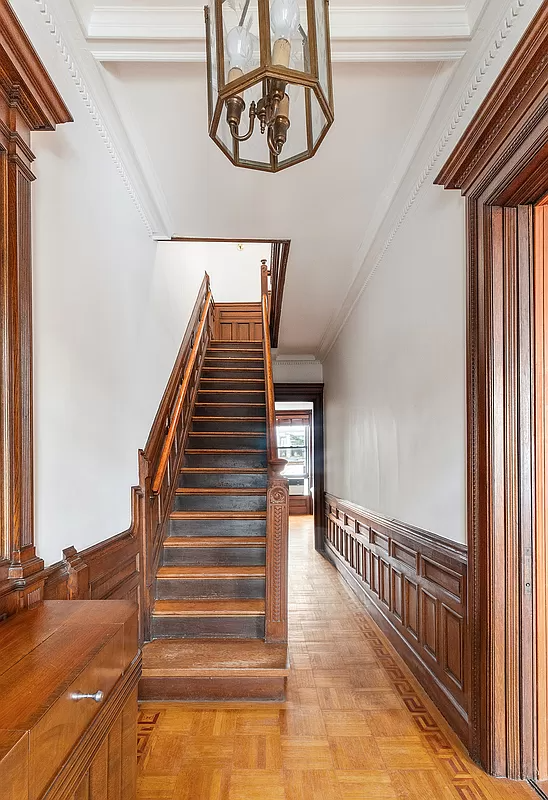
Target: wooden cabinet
(68,694)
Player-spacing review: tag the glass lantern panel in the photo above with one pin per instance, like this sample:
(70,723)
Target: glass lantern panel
(289,42)
(224,135)
(213,83)
(240,38)
(297,140)
(319,121)
(255,149)
(320,11)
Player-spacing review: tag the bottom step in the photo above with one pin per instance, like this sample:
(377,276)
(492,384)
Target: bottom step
(220,669)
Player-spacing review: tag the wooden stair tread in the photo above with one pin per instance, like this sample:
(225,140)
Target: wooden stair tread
(250,405)
(234,358)
(230,391)
(215,541)
(218,515)
(218,418)
(223,572)
(236,470)
(227,433)
(207,608)
(221,450)
(214,658)
(215,491)
(237,369)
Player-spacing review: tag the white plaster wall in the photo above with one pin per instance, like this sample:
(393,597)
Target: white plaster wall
(235,274)
(108,321)
(395,378)
(287,371)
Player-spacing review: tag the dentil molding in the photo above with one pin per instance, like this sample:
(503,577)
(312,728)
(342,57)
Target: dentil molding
(450,135)
(151,209)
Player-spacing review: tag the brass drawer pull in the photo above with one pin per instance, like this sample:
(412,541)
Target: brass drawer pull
(97,696)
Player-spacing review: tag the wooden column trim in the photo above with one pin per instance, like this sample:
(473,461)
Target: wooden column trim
(501,167)
(28,102)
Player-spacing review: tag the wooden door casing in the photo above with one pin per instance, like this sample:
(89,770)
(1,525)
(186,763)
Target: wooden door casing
(500,165)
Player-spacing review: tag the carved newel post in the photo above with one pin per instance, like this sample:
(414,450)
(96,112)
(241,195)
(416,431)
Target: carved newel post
(277,526)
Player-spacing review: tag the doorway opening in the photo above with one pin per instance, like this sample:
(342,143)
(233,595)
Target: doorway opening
(295,445)
(299,413)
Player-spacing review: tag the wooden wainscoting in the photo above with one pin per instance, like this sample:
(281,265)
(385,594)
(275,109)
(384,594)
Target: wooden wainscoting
(238,322)
(414,585)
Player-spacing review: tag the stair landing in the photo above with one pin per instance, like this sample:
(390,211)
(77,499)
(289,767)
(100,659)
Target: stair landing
(213,669)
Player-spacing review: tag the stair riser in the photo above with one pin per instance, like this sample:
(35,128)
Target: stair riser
(217,527)
(198,441)
(216,396)
(230,410)
(231,374)
(236,425)
(245,346)
(214,688)
(229,385)
(226,460)
(220,503)
(223,480)
(207,627)
(214,556)
(234,361)
(212,589)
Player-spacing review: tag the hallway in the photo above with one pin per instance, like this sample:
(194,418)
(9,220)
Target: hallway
(355,725)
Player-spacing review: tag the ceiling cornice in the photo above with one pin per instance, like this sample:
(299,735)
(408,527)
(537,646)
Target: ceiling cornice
(393,221)
(106,52)
(358,34)
(85,74)
(352,22)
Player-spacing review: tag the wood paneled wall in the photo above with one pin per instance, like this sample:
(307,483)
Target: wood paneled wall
(238,322)
(414,584)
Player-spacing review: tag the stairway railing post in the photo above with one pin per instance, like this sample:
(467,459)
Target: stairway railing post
(277,503)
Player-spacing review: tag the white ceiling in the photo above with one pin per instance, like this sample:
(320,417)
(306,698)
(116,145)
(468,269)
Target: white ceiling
(387,88)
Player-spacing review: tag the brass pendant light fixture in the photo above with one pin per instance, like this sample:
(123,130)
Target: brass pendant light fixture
(271,59)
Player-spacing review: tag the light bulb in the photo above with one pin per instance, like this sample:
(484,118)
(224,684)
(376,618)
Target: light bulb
(239,46)
(284,19)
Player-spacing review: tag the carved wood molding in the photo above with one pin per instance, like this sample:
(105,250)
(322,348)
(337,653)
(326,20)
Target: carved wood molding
(515,104)
(28,101)
(277,525)
(501,166)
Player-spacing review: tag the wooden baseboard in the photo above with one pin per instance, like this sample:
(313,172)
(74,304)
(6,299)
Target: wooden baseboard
(413,584)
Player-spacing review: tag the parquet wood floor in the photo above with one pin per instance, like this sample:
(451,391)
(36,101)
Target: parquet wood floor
(355,726)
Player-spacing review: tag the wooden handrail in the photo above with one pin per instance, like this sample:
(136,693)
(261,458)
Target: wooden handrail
(272,444)
(168,443)
(157,432)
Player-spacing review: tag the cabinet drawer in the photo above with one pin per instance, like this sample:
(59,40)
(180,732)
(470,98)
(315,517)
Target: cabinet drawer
(59,730)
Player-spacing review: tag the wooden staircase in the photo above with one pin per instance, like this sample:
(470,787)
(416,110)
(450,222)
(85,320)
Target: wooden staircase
(212,630)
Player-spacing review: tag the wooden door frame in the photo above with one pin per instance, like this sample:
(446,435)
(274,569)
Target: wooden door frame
(501,167)
(311,393)
(28,101)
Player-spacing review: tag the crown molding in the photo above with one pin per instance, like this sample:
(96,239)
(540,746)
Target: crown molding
(352,22)
(464,110)
(84,71)
(365,54)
